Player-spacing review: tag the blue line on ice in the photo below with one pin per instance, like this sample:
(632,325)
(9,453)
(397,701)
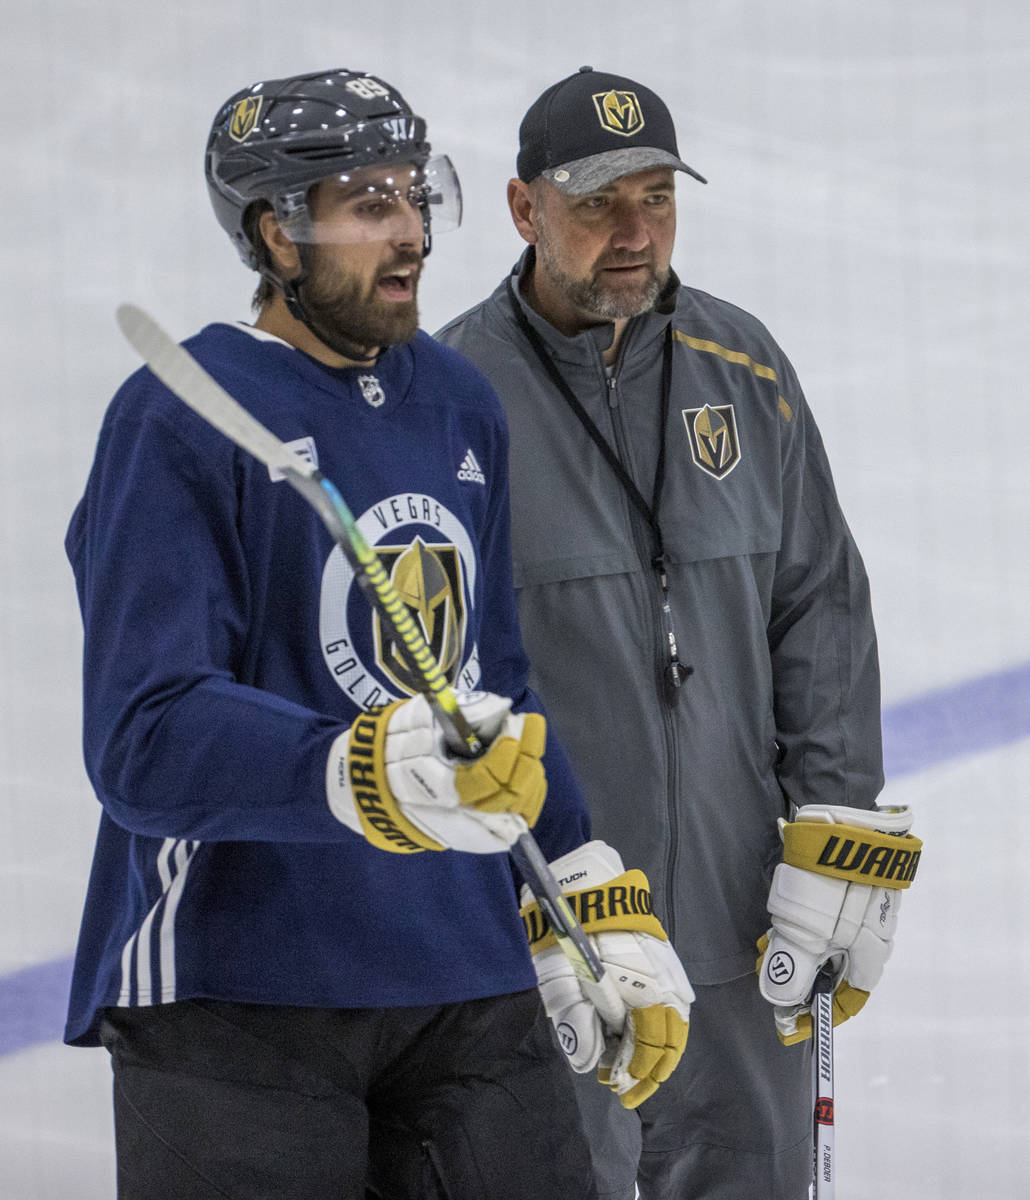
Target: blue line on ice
(977,715)
(32,1005)
(966,718)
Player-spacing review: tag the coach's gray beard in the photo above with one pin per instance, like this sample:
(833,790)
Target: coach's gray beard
(613,306)
(590,295)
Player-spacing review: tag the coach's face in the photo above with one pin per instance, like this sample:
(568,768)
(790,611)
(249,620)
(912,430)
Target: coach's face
(603,256)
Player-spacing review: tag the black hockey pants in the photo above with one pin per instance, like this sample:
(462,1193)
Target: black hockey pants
(467,1101)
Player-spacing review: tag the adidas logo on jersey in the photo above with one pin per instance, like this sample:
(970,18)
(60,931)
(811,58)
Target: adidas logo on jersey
(470,471)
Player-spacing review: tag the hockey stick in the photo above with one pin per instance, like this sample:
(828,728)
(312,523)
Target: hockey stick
(823,1168)
(187,379)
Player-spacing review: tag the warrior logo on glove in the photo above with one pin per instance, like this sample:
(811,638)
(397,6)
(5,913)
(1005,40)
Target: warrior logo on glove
(624,903)
(865,858)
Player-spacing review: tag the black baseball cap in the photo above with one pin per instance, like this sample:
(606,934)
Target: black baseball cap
(591,128)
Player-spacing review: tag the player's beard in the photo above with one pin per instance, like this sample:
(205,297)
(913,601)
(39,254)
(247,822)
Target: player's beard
(348,315)
(592,292)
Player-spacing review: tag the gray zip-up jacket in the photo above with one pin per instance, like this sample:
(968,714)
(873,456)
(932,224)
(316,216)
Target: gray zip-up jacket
(768,599)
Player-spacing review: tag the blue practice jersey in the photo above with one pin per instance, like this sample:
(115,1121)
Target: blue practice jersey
(227,645)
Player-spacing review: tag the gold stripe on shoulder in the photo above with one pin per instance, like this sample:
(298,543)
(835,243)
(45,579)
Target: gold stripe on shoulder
(735,356)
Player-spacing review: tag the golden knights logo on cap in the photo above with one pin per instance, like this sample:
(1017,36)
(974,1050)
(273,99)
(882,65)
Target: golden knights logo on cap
(619,112)
(244,117)
(712,433)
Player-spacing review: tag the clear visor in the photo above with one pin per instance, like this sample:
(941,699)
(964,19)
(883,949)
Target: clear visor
(374,204)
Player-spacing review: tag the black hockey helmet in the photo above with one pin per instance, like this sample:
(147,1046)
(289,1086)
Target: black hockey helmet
(271,141)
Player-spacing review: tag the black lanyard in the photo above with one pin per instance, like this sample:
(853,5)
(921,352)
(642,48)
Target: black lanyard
(675,672)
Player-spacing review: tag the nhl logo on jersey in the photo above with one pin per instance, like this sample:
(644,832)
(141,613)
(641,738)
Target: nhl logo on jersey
(712,433)
(619,112)
(244,117)
(372,390)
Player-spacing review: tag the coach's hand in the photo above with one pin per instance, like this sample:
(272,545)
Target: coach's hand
(392,778)
(834,901)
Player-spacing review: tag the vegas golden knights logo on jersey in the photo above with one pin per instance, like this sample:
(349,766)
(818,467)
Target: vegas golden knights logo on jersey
(712,433)
(619,112)
(244,117)
(431,562)
(428,580)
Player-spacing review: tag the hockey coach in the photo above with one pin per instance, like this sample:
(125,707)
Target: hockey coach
(698,621)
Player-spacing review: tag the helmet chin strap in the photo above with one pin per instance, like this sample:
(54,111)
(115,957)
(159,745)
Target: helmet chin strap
(291,294)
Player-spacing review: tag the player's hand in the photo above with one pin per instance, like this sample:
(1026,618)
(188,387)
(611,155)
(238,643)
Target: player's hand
(614,908)
(392,777)
(834,900)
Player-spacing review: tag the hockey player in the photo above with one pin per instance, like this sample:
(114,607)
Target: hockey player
(305,996)
(679,550)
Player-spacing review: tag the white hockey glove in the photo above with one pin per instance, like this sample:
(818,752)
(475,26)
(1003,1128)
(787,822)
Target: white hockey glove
(834,901)
(614,907)
(392,778)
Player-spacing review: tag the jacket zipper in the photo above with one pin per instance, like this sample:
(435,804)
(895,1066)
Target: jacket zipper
(658,625)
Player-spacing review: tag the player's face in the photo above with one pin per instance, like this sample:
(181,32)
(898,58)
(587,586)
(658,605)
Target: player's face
(360,286)
(605,255)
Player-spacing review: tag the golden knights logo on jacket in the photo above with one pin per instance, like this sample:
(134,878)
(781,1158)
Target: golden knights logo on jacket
(712,434)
